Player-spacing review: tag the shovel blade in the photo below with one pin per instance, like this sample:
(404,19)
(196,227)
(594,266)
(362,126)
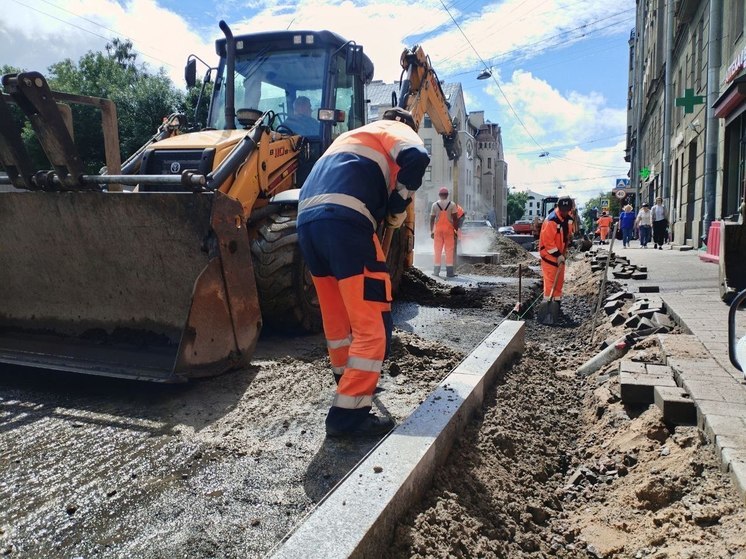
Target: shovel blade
(548,313)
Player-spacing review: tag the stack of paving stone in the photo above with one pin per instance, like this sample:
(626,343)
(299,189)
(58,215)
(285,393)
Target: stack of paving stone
(644,316)
(619,265)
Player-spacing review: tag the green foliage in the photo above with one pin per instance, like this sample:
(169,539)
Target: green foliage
(516,205)
(142,99)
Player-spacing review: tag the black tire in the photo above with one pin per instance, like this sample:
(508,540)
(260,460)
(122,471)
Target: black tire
(287,297)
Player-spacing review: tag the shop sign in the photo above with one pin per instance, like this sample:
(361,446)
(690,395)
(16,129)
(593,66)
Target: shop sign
(736,66)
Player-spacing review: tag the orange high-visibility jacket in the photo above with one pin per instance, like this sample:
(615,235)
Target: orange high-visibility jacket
(554,236)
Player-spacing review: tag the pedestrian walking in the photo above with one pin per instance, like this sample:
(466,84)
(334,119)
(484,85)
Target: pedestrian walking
(660,223)
(366,177)
(627,224)
(553,242)
(644,222)
(444,220)
(604,224)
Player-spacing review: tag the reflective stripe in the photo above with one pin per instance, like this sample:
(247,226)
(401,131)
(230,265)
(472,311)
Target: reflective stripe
(364,151)
(363,364)
(338,370)
(550,262)
(339,199)
(336,344)
(352,402)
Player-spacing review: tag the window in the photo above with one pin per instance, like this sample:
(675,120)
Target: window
(429,146)
(489,163)
(700,61)
(735,31)
(427,123)
(428,174)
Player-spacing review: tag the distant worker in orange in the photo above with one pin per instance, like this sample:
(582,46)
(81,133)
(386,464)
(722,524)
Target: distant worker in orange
(460,218)
(553,242)
(604,224)
(443,231)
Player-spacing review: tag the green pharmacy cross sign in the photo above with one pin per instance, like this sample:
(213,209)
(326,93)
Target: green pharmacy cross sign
(645,173)
(689,100)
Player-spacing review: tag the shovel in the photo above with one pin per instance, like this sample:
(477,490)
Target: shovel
(548,311)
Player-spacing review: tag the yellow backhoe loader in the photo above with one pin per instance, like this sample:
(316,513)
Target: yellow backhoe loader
(166,266)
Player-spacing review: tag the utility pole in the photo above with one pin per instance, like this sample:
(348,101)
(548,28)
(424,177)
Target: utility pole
(714,34)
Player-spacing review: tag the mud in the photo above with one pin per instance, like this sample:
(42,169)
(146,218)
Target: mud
(556,466)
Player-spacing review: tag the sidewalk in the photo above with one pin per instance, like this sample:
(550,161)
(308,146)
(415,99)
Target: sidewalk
(689,289)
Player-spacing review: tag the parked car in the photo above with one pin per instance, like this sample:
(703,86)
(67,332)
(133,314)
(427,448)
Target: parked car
(523,227)
(507,230)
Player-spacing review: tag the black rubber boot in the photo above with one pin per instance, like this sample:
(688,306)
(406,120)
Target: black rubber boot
(449,272)
(436,271)
(356,423)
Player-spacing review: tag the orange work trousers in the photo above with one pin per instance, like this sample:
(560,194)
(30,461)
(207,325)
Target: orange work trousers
(443,239)
(355,312)
(550,272)
(604,232)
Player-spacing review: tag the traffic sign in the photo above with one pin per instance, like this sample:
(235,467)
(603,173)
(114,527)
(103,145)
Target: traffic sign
(622,183)
(604,203)
(620,193)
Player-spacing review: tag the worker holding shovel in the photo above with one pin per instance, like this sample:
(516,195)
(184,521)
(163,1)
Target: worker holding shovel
(554,240)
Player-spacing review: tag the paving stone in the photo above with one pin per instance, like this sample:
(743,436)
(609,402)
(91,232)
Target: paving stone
(722,390)
(639,276)
(714,407)
(660,370)
(618,318)
(644,324)
(682,345)
(638,305)
(661,319)
(649,289)
(629,366)
(622,275)
(620,295)
(648,313)
(612,306)
(720,425)
(638,389)
(632,321)
(729,456)
(675,405)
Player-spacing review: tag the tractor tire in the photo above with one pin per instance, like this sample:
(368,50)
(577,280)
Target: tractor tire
(287,297)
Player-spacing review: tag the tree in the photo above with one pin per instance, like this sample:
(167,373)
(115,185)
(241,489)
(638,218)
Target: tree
(516,205)
(615,207)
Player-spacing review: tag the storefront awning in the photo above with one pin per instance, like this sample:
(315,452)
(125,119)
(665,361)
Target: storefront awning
(733,98)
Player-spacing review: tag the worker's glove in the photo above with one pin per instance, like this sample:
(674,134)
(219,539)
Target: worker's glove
(397,203)
(394,221)
(560,260)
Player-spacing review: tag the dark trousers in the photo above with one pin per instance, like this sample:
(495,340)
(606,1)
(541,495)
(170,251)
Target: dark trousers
(659,232)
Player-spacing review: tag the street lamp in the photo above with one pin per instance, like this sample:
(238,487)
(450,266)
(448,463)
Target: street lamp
(485,74)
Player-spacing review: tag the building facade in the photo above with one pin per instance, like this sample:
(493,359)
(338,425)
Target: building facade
(477,180)
(686,127)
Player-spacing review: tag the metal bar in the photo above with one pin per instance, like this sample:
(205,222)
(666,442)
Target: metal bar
(603,283)
(188,179)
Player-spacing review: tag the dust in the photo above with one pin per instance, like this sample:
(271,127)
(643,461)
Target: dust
(557,466)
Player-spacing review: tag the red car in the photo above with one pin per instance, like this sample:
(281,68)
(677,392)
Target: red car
(522,227)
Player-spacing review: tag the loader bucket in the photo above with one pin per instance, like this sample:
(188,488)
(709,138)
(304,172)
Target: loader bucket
(151,286)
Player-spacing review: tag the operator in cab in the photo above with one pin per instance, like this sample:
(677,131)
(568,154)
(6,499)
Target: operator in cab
(301,122)
(366,177)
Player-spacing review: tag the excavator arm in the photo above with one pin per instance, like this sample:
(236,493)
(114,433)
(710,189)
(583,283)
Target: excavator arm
(421,94)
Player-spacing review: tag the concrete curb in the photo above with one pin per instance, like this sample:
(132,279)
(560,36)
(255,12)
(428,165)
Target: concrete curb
(362,511)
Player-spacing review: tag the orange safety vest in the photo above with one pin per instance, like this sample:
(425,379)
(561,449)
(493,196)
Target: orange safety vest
(444,221)
(605,221)
(553,238)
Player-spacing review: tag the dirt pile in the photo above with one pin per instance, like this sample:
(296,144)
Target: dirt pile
(416,287)
(500,270)
(557,466)
(511,252)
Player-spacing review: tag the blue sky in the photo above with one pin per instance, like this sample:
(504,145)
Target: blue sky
(559,66)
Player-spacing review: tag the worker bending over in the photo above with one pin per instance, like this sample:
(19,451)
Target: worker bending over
(604,224)
(553,242)
(365,177)
(443,227)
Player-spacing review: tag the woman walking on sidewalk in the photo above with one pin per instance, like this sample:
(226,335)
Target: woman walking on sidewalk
(644,222)
(627,223)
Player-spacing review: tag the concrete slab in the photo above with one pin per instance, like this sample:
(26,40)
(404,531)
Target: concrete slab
(731,455)
(637,389)
(364,509)
(721,425)
(738,476)
(675,405)
(628,366)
